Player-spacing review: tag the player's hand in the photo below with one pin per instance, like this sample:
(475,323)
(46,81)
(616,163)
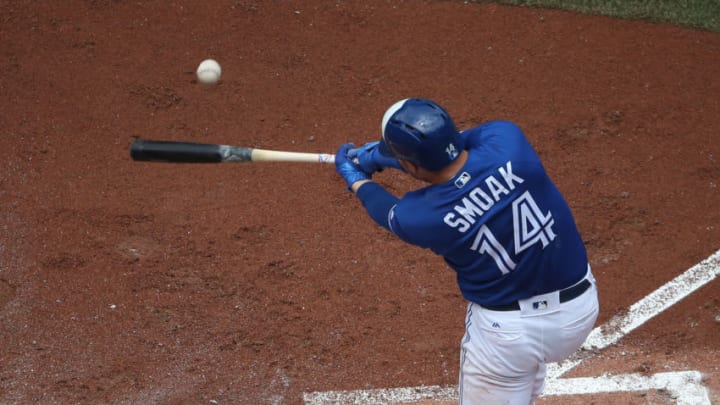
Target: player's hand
(347,168)
(371,160)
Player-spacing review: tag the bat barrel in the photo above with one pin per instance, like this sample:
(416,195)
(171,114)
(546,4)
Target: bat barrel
(188,152)
(177,152)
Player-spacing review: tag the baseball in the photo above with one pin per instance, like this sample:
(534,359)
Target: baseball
(208,71)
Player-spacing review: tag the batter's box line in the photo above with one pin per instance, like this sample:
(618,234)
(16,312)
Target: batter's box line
(383,396)
(600,338)
(685,386)
(642,311)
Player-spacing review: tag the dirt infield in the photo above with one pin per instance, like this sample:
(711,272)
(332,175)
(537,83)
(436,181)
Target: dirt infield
(127,282)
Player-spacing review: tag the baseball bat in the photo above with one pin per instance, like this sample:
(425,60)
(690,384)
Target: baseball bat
(189,152)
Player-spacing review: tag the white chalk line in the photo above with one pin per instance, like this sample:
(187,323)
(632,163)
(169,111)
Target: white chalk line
(687,386)
(643,310)
(383,396)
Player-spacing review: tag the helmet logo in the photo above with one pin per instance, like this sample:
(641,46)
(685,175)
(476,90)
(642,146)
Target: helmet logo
(452,151)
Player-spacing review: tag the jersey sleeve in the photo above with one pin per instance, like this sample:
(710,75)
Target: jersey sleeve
(378,203)
(409,225)
(474,137)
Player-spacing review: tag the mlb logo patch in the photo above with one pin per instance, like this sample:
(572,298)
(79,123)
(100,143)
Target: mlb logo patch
(539,304)
(462,180)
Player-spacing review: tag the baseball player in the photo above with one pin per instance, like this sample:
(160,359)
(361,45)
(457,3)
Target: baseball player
(491,211)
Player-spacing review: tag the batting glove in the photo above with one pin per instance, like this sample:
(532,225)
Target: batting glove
(347,168)
(371,160)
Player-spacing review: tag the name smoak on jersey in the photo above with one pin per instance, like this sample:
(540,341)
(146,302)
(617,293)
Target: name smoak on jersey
(482,198)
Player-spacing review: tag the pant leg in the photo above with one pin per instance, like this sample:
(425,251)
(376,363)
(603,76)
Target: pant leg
(539,384)
(568,329)
(498,363)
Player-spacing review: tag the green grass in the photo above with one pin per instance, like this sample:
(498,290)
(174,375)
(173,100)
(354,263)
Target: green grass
(697,14)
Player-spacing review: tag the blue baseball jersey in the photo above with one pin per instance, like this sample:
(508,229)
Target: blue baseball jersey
(500,223)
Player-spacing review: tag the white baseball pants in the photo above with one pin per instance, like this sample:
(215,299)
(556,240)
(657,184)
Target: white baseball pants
(504,353)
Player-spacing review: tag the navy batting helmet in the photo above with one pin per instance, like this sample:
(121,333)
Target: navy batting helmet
(422,132)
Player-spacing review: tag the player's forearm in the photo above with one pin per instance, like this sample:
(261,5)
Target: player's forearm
(377,201)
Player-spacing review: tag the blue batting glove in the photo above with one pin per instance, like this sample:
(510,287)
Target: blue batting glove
(371,160)
(347,168)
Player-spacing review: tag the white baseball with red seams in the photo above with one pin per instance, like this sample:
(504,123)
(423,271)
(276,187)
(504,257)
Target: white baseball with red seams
(209,71)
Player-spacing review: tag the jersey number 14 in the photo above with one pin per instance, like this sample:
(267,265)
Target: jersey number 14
(530,226)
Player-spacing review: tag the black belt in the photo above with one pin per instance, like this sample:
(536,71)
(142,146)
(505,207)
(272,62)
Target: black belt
(566,295)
